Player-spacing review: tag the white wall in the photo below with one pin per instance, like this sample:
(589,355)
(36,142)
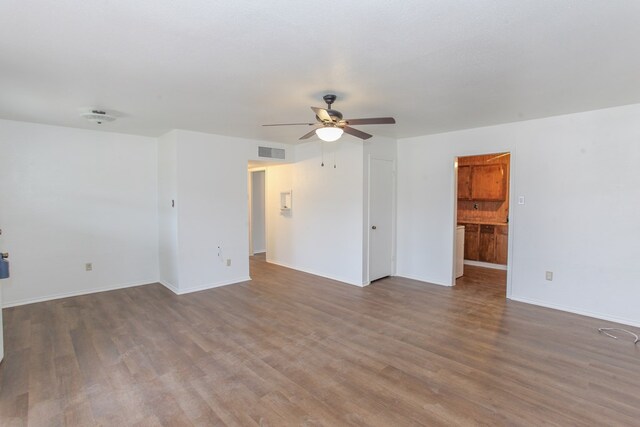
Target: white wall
(210,191)
(168,211)
(579,174)
(323,233)
(258,220)
(212,210)
(68,197)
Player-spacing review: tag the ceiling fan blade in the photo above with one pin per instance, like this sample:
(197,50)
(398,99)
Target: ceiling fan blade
(322,114)
(308,135)
(357,133)
(372,121)
(291,124)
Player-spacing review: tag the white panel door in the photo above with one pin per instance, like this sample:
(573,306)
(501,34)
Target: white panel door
(381,204)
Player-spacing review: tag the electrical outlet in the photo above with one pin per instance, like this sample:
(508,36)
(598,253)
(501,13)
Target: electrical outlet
(229,262)
(548,275)
(88,266)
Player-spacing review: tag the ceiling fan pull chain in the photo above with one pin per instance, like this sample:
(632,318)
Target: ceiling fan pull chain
(335,148)
(322,150)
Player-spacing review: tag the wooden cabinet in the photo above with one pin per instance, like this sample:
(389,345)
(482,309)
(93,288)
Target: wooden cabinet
(488,183)
(502,242)
(471,241)
(486,242)
(464,182)
(482,182)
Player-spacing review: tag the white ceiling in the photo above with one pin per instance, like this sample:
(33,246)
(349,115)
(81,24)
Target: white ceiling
(227,67)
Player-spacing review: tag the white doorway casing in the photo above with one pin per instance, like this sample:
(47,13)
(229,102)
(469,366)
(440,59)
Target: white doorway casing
(257,217)
(510,187)
(1,330)
(381,218)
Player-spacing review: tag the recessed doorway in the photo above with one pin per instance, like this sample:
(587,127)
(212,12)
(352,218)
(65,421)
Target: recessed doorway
(257,212)
(482,221)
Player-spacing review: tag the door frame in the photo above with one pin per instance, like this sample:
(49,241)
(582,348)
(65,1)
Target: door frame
(512,212)
(367,231)
(250,172)
(1,329)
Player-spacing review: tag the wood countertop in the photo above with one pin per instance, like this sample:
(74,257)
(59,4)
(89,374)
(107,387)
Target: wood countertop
(482,223)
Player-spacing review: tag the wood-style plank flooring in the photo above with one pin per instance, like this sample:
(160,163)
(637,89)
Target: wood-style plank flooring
(289,348)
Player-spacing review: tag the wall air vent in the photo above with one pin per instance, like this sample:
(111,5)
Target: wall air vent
(271,153)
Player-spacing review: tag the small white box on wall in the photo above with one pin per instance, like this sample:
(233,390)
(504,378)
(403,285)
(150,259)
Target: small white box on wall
(285,201)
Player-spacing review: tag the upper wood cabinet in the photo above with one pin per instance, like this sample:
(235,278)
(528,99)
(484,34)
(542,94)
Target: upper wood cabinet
(488,183)
(482,182)
(464,182)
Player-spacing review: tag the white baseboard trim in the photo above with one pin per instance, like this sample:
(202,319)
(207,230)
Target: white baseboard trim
(485,264)
(422,279)
(581,312)
(169,286)
(75,293)
(177,291)
(337,279)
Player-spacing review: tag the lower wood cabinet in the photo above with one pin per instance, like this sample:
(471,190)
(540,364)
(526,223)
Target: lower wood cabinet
(502,242)
(487,246)
(471,241)
(486,242)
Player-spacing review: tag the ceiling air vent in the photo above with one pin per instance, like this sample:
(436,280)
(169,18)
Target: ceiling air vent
(98,116)
(271,153)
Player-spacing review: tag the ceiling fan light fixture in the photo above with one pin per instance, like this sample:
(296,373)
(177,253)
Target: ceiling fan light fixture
(329,133)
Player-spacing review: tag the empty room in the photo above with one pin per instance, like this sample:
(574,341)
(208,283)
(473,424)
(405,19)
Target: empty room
(323,214)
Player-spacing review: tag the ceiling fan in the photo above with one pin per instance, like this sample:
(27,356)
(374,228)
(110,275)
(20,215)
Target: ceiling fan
(330,125)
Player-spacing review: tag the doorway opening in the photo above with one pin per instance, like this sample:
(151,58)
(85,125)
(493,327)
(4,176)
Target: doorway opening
(257,213)
(482,222)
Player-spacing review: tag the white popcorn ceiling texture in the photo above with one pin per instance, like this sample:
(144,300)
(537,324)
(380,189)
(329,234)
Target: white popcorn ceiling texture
(226,67)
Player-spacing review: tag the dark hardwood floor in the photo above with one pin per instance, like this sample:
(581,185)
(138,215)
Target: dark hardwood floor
(289,348)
